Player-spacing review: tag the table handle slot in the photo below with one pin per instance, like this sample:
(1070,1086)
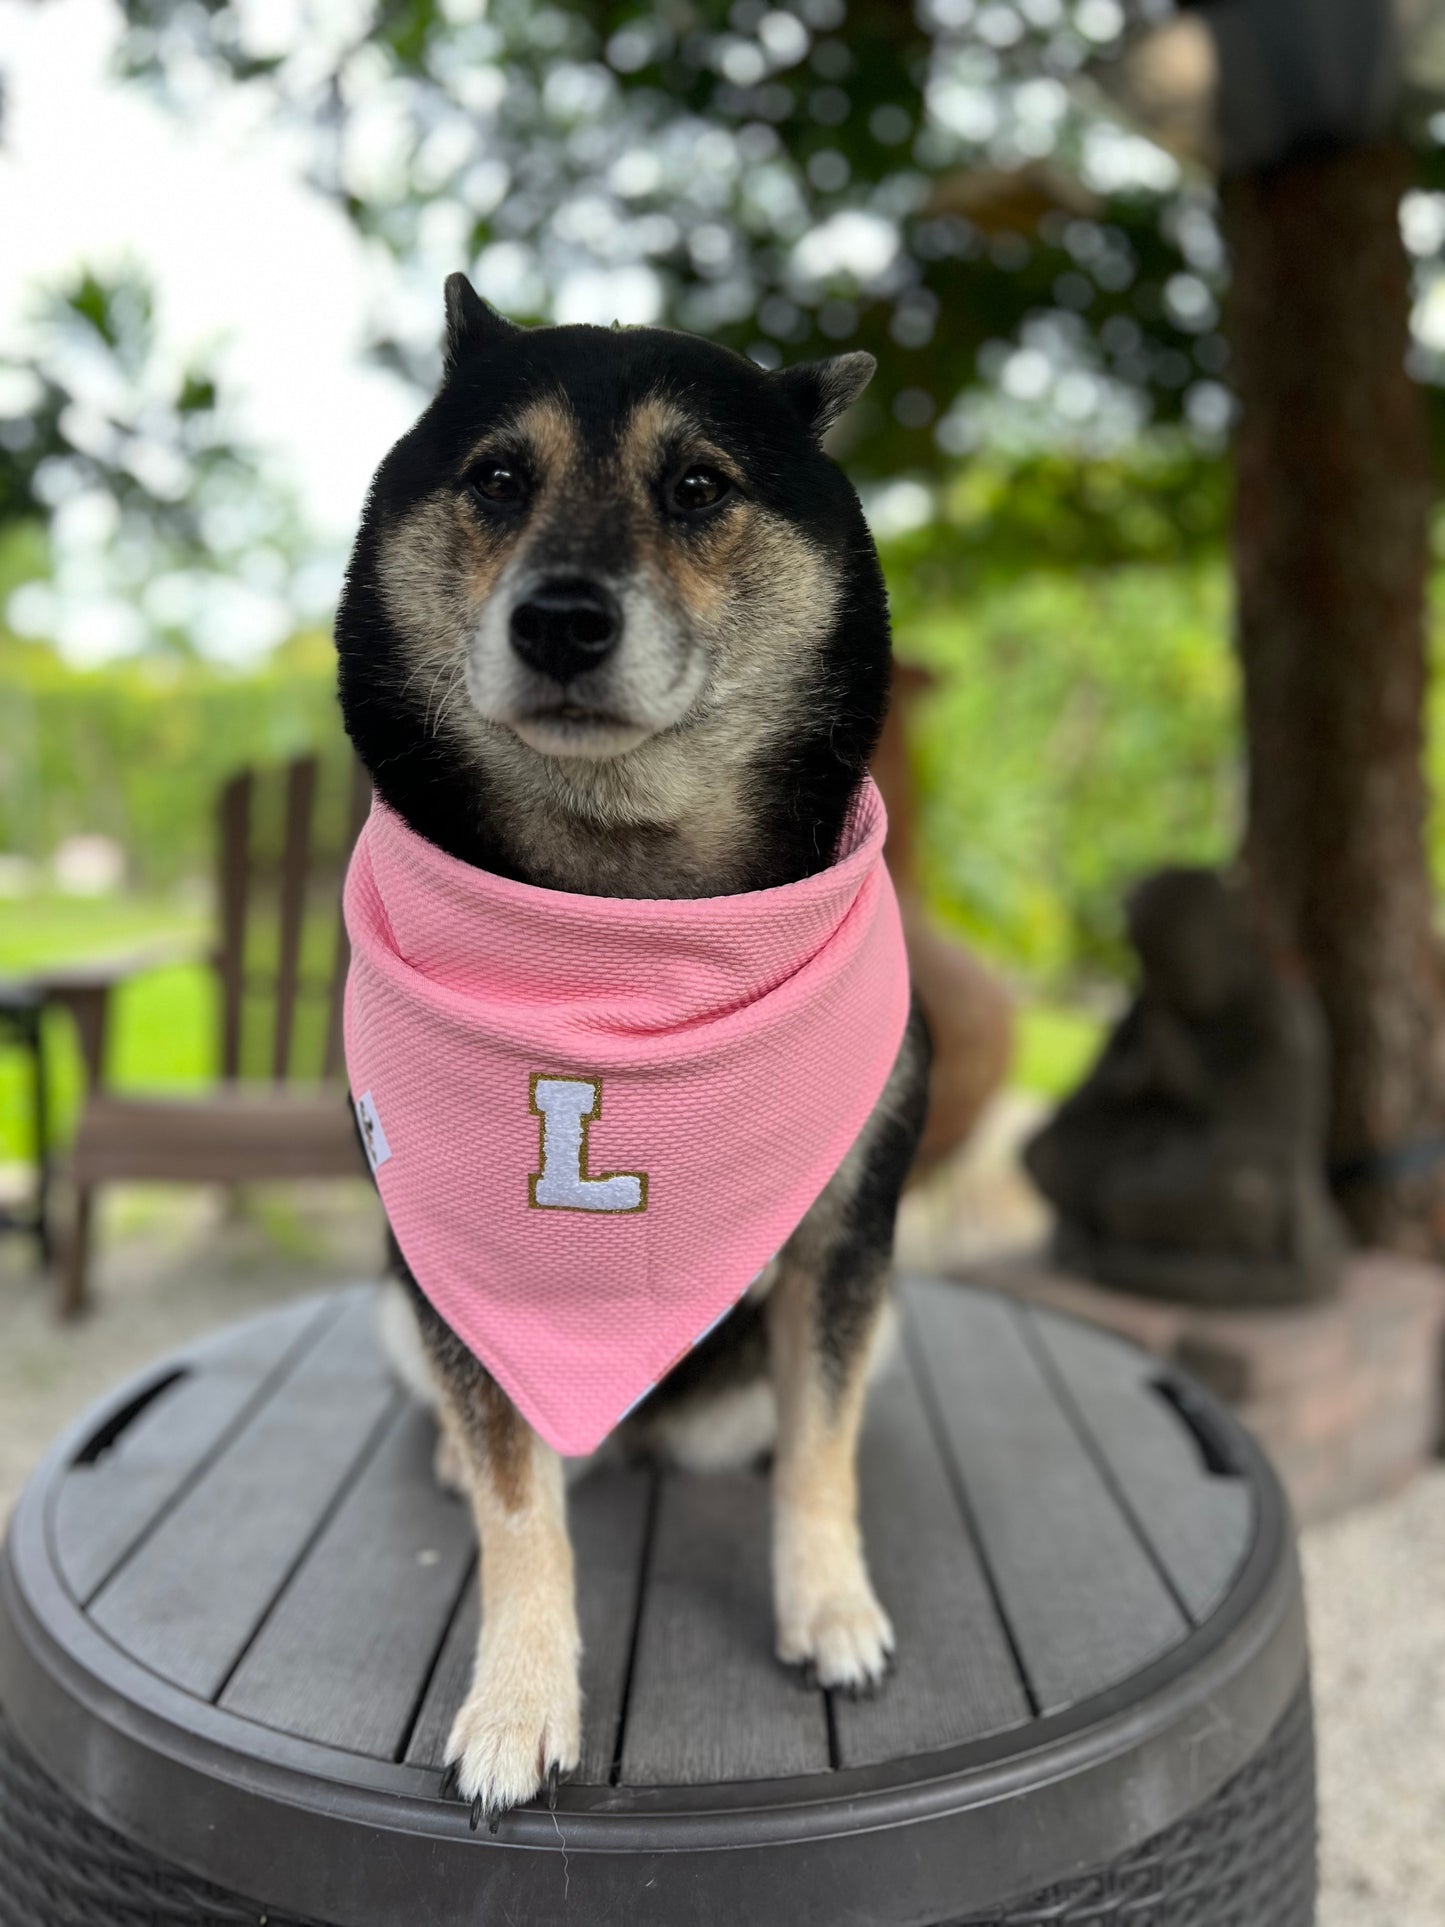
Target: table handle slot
(106,1436)
(1215,1449)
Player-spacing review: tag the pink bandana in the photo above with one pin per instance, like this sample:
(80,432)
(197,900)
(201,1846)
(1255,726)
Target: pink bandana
(593,1120)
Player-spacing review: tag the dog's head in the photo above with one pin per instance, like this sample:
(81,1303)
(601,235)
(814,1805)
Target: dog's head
(611,573)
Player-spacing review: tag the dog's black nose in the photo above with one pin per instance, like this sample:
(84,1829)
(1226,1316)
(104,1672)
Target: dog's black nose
(566,626)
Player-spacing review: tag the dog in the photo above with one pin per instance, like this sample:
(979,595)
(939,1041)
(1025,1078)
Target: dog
(614,624)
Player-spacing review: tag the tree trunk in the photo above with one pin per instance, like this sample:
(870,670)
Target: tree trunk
(1331,551)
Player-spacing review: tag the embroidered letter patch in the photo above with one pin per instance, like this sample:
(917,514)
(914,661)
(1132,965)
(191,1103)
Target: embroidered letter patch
(566,1106)
(372,1135)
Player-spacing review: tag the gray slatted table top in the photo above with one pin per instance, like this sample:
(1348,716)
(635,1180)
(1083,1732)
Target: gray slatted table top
(248,1543)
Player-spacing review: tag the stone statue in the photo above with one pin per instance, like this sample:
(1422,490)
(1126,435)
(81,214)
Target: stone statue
(1189,1164)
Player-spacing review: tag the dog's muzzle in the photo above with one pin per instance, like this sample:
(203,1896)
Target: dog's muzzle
(566,626)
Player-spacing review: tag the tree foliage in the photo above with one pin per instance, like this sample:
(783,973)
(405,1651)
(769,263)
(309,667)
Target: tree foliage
(939,188)
(138,749)
(83,411)
(1082,730)
(136,466)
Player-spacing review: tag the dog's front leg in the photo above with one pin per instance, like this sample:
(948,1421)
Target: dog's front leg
(520,1725)
(828,1615)
(825,1314)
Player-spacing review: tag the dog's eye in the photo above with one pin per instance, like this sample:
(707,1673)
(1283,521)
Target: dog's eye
(697,488)
(501,483)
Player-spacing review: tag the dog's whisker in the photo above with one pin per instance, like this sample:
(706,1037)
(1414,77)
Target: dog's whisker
(442,674)
(454,688)
(422,668)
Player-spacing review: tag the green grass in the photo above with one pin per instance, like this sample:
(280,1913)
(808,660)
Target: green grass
(40,930)
(163,1021)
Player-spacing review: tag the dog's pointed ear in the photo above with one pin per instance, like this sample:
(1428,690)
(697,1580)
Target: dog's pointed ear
(471,323)
(820,391)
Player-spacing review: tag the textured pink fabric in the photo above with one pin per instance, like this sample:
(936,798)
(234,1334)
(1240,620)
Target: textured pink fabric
(739,1043)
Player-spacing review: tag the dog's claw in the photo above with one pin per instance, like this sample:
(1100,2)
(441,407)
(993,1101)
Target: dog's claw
(475,1818)
(449,1781)
(872,1686)
(552,1787)
(494,1819)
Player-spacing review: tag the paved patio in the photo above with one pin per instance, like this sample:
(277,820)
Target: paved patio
(174,1264)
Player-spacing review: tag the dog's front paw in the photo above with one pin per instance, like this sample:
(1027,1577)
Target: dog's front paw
(518,1729)
(843,1635)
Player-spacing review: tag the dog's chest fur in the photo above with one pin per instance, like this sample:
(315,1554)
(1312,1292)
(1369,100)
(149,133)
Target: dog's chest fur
(754,650)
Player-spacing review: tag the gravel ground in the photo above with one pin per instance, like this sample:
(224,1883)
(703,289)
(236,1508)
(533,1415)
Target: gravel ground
(1375,1584)
(175,1264)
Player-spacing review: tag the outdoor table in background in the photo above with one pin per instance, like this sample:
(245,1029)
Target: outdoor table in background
(22,1006)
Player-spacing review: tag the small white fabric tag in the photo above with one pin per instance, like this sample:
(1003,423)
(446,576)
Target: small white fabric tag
(372,1135)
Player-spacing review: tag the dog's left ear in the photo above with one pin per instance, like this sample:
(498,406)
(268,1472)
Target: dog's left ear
(821,391)
(471,323)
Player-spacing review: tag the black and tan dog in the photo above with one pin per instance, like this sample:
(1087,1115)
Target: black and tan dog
(615,624)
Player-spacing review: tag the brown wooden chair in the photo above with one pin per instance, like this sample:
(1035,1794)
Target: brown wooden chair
(280,1109)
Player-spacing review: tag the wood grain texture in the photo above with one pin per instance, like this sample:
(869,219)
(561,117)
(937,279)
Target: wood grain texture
(954,1678)
(1083,1598)
(190,1598)
(269,1531)
(709,1701)
(607,1512)
(104,1506)
(450,1678)
(609,1516)
(345,1652)
(233,890)
(233,1134)
(295,872)
(1199,1524)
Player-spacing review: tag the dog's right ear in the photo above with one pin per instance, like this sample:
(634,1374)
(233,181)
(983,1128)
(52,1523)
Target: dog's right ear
(821,391)
(471,324)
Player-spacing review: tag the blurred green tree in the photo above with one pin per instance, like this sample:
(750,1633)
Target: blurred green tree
(928,185)
(108,449)
(150,451)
